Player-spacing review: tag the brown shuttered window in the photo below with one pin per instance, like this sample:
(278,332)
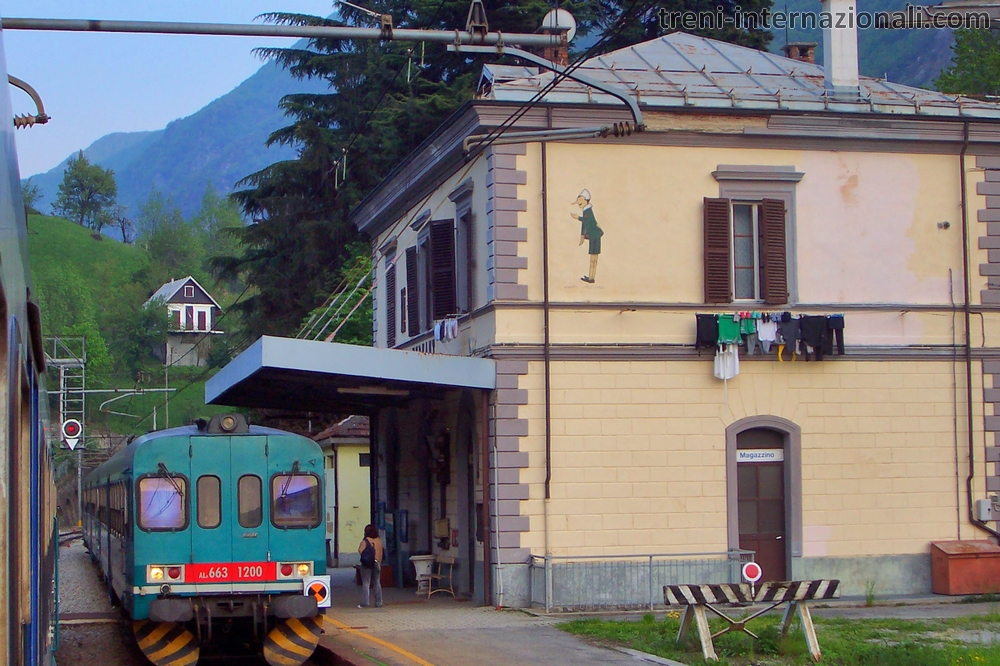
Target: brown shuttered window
(442,247)
(774,269)
(718,261)
(412,292)
(390,306)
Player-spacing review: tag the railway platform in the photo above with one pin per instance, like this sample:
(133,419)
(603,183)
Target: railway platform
(410,630)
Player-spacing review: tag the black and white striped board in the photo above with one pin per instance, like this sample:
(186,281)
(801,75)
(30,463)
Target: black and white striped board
(722,593)
(739,593)
(797,590)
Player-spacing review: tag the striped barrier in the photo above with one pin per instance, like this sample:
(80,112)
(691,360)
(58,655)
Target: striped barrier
(293,641)
(166,643)
(796,593)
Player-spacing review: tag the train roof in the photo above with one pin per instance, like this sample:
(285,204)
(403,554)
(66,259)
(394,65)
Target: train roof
(120,460)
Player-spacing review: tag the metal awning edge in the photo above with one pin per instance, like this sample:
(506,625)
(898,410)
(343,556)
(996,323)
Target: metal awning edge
(364,363)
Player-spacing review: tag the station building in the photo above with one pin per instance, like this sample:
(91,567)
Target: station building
(536,389)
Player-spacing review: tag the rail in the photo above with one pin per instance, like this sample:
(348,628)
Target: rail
(623,582)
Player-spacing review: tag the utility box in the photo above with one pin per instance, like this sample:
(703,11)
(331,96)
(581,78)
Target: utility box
(965,567)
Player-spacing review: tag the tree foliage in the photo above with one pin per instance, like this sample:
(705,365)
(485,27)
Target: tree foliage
(87,193)
(385,98)
(642,21)
(30,195)
(975,68)
(175,249)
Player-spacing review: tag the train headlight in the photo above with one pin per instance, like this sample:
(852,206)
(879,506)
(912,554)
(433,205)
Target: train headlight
(174,573)
(155,573)
(303,569)
(286,570)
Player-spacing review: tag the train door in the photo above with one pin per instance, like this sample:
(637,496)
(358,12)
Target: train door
(248,483)
(212,504)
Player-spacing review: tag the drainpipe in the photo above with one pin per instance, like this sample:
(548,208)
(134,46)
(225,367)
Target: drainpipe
(546,353)
(968,338)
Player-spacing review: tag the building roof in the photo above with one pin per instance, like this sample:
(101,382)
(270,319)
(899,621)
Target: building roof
(167,292)
(353,427)
(682,70)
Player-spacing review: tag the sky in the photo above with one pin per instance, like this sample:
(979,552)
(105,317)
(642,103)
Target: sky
(93,84)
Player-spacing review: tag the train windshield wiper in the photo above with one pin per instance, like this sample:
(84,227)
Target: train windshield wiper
(288,482)
(162,469)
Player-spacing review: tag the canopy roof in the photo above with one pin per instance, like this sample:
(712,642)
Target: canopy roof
(307,375)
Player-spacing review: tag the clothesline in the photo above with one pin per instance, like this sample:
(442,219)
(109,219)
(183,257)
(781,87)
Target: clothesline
(725,332)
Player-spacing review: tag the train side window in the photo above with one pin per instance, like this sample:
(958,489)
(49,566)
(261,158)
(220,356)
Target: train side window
(295,500)
(162,503)
(249,498)
(209,502)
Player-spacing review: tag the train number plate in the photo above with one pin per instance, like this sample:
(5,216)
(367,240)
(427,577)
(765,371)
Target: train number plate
(231,572)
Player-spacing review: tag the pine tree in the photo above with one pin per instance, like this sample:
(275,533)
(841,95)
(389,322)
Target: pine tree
(975,68)
(385,99)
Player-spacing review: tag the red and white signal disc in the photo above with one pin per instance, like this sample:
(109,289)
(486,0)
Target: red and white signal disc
(752,572)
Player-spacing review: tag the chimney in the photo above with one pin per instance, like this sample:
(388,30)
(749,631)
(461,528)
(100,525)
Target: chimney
(803,51)
(840,48)
(557,54)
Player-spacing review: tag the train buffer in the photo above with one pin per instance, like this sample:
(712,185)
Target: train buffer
(697,598)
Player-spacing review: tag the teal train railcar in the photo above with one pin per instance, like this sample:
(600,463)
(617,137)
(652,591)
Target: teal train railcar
(209,524)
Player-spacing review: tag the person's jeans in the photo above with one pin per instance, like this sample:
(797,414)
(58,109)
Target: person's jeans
(371,582)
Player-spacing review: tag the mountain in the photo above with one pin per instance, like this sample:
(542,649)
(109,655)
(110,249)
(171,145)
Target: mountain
(911,57)
(224,141)
(219,144)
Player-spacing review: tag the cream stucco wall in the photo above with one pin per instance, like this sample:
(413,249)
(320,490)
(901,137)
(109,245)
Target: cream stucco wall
(638,454)
(865,223)
(354,495)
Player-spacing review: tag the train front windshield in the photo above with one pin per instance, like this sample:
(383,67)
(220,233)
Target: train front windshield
(296,500)
(162,503)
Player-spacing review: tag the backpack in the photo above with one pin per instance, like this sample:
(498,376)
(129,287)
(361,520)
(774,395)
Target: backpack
(368,555)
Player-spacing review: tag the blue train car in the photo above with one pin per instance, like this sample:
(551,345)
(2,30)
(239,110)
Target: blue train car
(27,512)
(213,523)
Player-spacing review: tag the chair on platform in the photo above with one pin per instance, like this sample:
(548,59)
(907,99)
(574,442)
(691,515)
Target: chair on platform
(444,566)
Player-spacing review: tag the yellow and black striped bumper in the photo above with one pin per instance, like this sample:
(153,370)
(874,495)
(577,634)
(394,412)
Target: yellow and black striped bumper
(293,641)
(166,643)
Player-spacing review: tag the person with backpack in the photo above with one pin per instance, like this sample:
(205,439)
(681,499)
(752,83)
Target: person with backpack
(370,550)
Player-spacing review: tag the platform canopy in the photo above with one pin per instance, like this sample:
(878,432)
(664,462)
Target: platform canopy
(306,375)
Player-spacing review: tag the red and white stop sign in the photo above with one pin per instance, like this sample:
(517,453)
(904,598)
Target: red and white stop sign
(752,572)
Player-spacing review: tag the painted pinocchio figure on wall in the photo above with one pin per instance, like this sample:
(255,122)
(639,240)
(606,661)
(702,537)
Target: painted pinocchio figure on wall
(589,231)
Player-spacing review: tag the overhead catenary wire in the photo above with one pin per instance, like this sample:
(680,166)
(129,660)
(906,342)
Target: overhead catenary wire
(557,78)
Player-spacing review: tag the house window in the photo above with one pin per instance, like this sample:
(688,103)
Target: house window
(747,247)
(745,251)
(202,320)
(465,264)
(188,291)
(189,317)
(402,310)
(175,320)
(430,277)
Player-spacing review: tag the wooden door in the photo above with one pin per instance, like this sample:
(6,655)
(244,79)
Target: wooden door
(761,493)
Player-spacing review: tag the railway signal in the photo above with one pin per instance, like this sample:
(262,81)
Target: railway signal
(71,432)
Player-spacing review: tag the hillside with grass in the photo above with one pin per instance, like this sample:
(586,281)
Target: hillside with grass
(91,286)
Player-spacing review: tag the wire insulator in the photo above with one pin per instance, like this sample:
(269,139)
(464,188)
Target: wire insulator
(29,120)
